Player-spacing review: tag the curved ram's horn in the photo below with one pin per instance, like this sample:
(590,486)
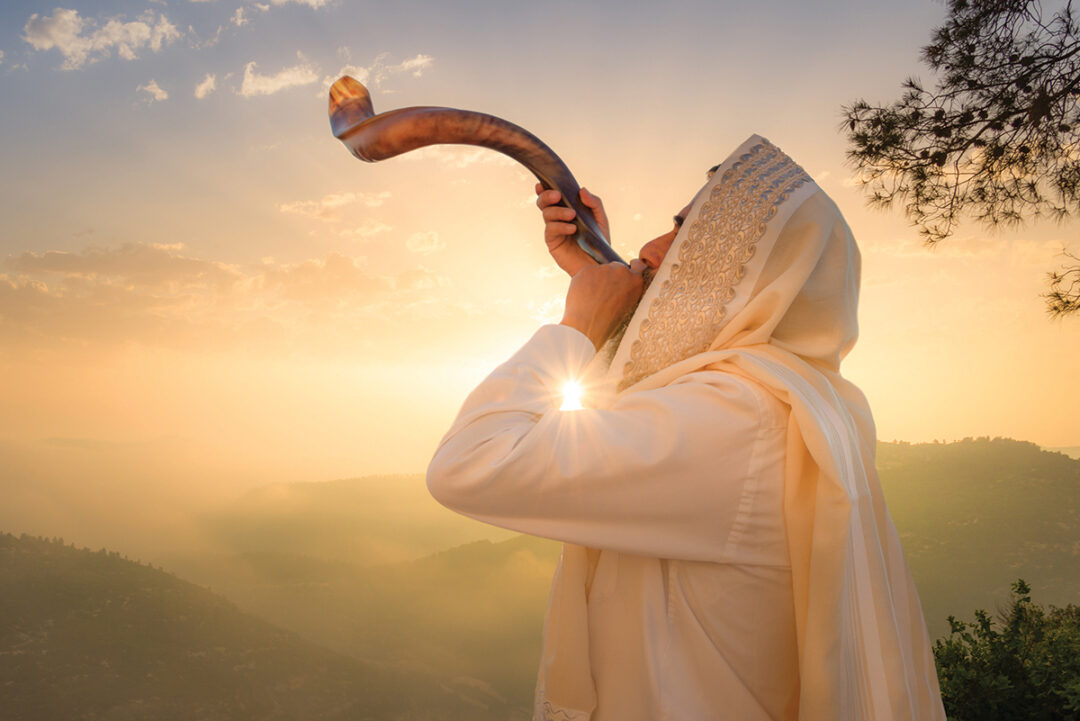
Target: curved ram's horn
(374,137)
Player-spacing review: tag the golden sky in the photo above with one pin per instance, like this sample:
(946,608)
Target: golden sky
(190,258)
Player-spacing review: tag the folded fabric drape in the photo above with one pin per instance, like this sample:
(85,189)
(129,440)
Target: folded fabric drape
(762,281)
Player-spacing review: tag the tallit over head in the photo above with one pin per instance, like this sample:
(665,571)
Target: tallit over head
(762,280)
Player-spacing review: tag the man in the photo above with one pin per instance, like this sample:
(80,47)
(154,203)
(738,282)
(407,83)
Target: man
(728,553)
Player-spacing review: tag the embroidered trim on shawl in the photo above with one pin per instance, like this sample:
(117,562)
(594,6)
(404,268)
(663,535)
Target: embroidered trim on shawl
(686,315)
(548,711)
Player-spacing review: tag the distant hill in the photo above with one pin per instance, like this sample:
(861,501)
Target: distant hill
(371,520)
(474,611)
(91,635)
(973,516)
(1070,451)
(364,568)
(978,514)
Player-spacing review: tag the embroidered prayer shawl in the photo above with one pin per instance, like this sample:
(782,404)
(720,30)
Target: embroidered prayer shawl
(763,280)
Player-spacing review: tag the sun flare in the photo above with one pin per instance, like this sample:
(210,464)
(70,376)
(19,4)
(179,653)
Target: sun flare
(572,393)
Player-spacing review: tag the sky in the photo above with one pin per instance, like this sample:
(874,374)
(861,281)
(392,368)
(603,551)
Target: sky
(200,285)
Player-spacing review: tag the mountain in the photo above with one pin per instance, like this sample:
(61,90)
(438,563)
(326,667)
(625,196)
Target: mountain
(474,611)
(977,514)
(91,635)
(396,624)
(973,516)
(371,520)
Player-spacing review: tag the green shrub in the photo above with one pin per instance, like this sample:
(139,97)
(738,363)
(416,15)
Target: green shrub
(1023,665)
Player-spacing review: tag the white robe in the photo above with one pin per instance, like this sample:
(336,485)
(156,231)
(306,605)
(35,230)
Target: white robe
(690,610)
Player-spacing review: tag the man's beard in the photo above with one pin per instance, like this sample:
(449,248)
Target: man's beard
(615,339)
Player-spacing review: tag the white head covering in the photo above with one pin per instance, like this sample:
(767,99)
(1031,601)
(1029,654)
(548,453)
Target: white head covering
(763,281)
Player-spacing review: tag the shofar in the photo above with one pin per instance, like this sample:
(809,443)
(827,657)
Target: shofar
(374,137)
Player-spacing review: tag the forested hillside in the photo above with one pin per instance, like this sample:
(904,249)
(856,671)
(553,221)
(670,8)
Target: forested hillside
(90,635)
(977,514)
(397,615)
(475,610)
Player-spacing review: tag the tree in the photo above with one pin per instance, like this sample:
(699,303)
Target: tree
(1029,668)
(999,136)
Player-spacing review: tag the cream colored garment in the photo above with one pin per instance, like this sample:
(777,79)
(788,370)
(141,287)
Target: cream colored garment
(759,289)
(680,491)
(763,280)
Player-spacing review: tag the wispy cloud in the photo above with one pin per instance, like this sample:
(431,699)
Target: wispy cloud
(81,40)
(303,73)
(207,86)
(366,230)
(239,19)
(425,243)
(151,266)
(157,295)
(154,92)
(379,70)
(1,56)
(458,157)
(329,206)
(316,4)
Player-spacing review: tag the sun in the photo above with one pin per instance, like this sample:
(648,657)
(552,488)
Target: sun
(572,393)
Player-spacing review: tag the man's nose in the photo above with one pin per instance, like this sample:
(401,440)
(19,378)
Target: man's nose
(652,253)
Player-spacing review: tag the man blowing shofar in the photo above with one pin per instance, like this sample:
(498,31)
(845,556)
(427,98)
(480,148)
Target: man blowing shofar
(728,551)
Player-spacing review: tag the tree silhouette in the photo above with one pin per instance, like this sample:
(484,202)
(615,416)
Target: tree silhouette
(999,136)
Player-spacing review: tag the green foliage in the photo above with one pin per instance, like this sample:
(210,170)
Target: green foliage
(998,138)
(1024,666)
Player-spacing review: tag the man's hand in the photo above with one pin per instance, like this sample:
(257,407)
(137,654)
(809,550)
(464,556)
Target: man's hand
(601,296)
(559,230)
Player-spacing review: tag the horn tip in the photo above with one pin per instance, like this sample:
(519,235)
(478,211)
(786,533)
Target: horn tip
(349,104)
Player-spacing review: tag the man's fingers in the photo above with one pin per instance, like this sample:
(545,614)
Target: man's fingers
(557,212)
(547,198)
(559,230)
(596,205)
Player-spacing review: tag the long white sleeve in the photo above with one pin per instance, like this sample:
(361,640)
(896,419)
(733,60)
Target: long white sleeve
(668,473)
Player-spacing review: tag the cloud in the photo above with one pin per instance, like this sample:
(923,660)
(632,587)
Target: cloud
(158,295)
(207,86)
(457,157)
(238,18)
(147,265)
(334,278)
(373,75)
(1,56)
(547,271)
(425,243)
(329,206)
(254,84)
(81,41)
(549,311)
(366,229)
(154,91)
(316,4)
